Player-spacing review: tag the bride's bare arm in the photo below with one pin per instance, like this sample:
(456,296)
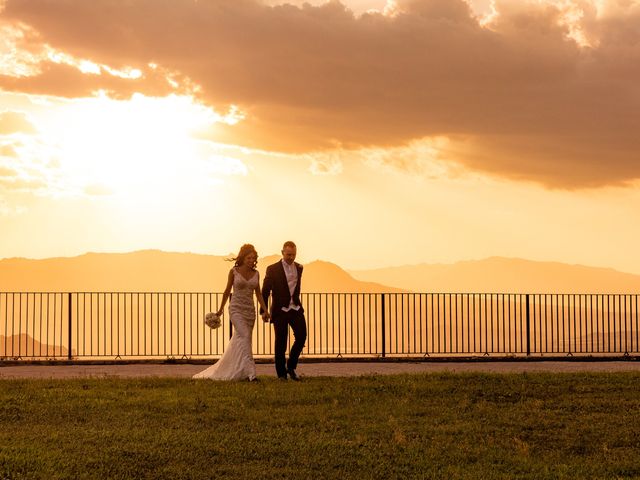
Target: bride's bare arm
(227,292)
(263,305)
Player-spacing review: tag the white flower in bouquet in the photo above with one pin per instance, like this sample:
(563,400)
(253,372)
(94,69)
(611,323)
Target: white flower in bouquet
(212,320)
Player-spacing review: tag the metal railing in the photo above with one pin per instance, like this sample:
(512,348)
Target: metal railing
(142,325)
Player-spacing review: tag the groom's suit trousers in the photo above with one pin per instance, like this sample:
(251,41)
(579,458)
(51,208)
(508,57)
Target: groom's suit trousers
(281,323)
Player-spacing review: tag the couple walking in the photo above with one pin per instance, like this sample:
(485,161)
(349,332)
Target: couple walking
(282,283)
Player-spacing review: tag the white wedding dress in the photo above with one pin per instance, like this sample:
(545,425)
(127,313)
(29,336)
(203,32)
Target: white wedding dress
(237,361)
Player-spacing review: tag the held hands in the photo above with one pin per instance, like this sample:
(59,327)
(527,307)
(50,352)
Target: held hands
(266,316)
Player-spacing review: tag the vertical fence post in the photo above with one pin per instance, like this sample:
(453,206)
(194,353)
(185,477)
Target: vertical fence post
(528,329)
(70,320)
(383,327)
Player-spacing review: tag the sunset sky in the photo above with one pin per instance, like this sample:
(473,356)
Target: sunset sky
(372,133)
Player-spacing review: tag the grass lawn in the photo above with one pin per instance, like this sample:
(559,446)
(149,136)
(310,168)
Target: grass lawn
(407,426)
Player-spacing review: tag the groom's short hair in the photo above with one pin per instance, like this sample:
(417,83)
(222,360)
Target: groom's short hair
(289,243)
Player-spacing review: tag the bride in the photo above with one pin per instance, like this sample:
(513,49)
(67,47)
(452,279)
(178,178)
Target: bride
(237,361)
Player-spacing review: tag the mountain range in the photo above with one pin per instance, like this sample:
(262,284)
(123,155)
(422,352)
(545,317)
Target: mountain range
(154,270)
(158,271)
(504,275)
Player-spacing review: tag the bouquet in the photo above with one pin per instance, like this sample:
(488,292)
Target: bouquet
(212,320)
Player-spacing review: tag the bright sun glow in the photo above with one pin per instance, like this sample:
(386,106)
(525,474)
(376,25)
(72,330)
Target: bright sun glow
(139,144)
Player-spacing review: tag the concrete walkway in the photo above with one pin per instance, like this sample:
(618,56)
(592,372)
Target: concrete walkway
(315,369)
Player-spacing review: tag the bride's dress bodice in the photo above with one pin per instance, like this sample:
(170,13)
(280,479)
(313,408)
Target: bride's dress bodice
(242,298)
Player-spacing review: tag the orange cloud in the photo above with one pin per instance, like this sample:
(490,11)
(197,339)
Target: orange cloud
(7,172)
(69,81)
(325,167)
(521,96)
(15,122)
(8,151)
(21,184)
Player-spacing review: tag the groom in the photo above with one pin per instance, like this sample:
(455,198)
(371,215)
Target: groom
(282,281)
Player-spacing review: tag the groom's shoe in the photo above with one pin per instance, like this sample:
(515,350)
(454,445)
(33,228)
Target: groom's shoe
(294,376)
(282,378)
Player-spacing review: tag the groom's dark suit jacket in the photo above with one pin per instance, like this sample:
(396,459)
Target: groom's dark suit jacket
(275,284)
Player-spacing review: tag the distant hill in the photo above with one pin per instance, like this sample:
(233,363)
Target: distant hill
(154,270)
(26,346)
(328,277)
(505,275)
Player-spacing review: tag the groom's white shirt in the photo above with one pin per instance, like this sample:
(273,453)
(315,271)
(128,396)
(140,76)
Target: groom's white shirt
(292,280)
